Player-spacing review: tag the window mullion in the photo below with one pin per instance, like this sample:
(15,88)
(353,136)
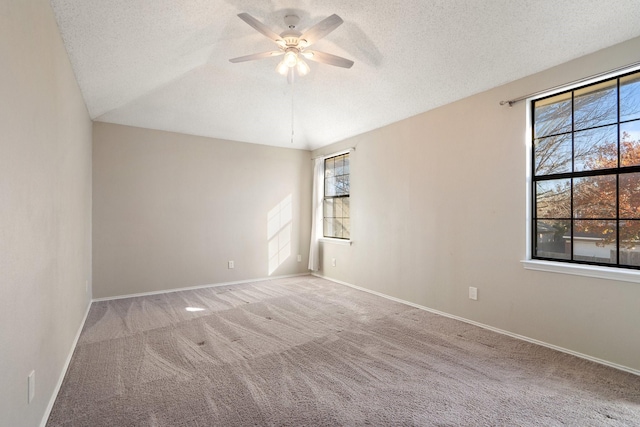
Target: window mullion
(618,177)
(573,169)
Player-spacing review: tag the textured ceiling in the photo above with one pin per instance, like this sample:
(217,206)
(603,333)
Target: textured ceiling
(164,64)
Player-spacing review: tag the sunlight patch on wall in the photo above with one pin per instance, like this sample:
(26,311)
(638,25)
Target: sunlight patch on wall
(279,233)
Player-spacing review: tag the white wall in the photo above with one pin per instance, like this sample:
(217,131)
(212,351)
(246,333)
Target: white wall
(438,204)
(45,208)
(170,210)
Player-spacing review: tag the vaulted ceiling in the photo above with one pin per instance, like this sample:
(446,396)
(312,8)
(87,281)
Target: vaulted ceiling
(164,64)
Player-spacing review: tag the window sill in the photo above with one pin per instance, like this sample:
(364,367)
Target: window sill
(336,241)
(626,275)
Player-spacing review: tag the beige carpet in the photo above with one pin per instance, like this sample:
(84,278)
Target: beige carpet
(306,351)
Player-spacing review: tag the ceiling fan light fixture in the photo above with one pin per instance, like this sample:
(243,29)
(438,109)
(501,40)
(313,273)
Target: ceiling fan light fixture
(290,59)
(282,68)
(303,67)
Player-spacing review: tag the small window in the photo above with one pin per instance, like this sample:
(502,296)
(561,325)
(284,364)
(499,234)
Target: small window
(336,197)
(586,174)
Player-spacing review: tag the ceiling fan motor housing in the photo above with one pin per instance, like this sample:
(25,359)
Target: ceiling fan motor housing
(291,21)
(290,40)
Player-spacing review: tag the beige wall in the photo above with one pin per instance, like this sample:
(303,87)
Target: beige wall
(170,210)
(438,204)
(45,208)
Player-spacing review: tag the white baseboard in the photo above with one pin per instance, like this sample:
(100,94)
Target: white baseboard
(491,328)
(56,390)
(190,288)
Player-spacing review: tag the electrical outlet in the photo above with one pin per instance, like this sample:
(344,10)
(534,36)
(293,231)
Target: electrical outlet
(231,264)
(299,258)
(473,293)
(31,386)
(333,262)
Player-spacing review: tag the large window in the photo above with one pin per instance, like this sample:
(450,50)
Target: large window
(586,174)
(336,197)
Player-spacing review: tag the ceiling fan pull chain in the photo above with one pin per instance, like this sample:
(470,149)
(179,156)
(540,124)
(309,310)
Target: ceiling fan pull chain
(292,86)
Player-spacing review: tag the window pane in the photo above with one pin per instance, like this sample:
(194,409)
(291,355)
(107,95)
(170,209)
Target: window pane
(337,228)
(328,208)
(553,154)
(346,228)
(594,241)
(553,239)
(630,242)
(594,197)
(553,198)
(339,165)
(552,115)
(329,167)
(346,209)
(329,187)
(337,208)
(596,149)
(342,185)
(327,229)
(596,105)
(630,143)
(630,97)
(630,195)
(346,164)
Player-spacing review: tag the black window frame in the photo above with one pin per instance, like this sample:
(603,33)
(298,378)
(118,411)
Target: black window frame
(574,174)
(341,197)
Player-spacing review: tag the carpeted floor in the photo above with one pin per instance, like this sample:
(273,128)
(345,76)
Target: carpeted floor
(305,351)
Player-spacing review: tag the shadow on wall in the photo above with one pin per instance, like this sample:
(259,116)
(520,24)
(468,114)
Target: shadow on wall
(279,233)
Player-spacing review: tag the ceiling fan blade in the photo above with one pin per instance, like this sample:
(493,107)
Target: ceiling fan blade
(255,56)
(260,27)
(327,58)
(321,29)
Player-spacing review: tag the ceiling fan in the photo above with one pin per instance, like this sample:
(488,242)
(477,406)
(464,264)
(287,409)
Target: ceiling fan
(293,45)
